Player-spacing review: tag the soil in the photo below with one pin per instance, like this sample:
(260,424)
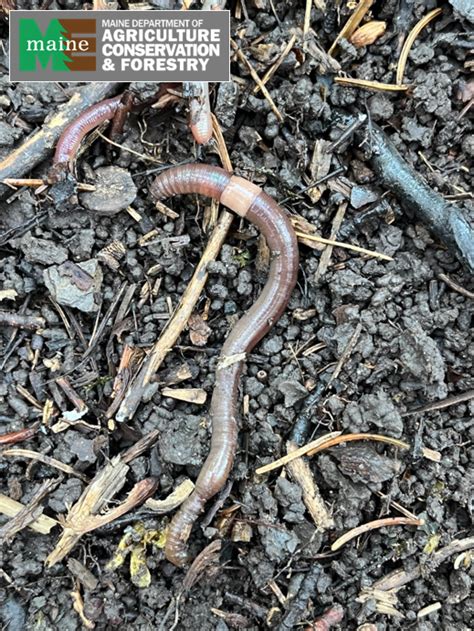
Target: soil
(413,343)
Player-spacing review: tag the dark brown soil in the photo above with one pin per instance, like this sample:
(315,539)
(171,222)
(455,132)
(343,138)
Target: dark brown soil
(414,343)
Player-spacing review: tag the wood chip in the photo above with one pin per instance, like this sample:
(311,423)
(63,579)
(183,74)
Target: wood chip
(199,330)
(191,395)
(87,513)
(301,473)
(8,294)
(426,611)
(42,524)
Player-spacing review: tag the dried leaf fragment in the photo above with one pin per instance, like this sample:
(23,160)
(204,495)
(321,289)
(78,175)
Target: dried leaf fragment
(368,33)
(85,515)
(134,543)
(199,331)
(174,499)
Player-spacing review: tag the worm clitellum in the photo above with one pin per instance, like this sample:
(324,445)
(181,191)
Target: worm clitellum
(249,201)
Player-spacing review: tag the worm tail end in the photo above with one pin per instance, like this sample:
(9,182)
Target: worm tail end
(176,548)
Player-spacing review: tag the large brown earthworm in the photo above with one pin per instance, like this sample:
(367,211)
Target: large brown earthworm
(249,201)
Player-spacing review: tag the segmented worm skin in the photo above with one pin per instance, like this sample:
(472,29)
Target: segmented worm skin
(91,118)
(249,201)
(200,121)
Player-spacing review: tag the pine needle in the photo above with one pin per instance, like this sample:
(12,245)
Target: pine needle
(347,246)
(416,30)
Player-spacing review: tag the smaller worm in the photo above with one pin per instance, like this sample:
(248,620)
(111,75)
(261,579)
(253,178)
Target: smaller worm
(22,434)
(200,121)
(72,136)
(249,201)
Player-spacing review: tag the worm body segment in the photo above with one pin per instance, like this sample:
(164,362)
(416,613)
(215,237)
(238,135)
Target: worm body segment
(200,120)
(248,200)
(72,136)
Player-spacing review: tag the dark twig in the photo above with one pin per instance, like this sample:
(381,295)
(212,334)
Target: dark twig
(347,133)
(19,321)
(446,221)
(441,405)
(461,290)
(302,425)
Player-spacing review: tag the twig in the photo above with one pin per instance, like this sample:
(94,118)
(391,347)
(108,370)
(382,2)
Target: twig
(180,317)
(429,454)
(327,253)
(461,290)
(307,20)
(143,156)
(297,453)
(301,473)
(347,133)
(352,23)
(364,84)
(336,438)
(16,437)
(87,513)
(398,578)
(42,524)
(47,460)
(64,384)
(18,321)
(257,80)
(28,514)
(416,30)
(373,525)
(446,221)
(441,405)
(271,71)
(346,353)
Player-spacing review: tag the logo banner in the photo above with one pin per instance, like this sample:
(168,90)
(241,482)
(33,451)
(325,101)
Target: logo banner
(120,46)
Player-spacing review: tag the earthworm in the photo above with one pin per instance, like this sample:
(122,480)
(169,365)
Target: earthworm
(23,434)
(68,144)
(249,201)
(200,121)
(92,117)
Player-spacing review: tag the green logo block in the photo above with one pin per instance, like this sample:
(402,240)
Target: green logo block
(48,48)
